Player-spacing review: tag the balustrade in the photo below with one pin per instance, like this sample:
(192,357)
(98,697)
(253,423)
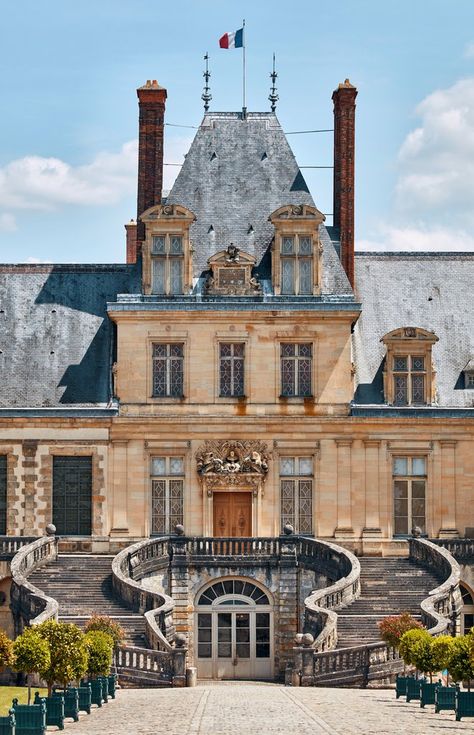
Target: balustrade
(30,605)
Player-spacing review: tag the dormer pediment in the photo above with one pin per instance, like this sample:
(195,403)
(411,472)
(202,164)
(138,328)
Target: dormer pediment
(411,334)
(230,257)
(297,212)
(168,213)
(231,273)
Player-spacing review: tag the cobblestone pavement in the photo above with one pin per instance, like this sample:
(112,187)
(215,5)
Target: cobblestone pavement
(263,709)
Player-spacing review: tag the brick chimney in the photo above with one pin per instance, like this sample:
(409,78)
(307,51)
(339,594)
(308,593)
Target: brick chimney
(151,104)
(131,230)
(344,152)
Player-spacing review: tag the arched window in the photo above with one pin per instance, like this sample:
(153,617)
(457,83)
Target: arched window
(233,587)
(467,612)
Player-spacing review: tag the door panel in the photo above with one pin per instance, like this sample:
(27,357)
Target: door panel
(72,495)
(232,514)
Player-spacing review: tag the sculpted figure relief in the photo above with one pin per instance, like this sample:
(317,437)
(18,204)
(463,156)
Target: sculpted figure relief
(232,458)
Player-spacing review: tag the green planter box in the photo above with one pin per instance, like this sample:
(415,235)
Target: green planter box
(427,693)
(464,702)
(445,698)
(30,718)
(401,685)
(71,701)
(105,688)
(413,689)
(112,684)
(7,724)
(96,692)
(54,709)
(85,698)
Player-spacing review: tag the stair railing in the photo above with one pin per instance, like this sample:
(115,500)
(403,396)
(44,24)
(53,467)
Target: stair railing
(31,606)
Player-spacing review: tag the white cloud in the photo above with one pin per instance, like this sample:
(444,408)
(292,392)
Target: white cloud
(39,183)
(7,222)
(419,239)
(469,50)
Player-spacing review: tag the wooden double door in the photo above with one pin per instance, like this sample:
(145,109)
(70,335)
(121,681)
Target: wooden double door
(233,514)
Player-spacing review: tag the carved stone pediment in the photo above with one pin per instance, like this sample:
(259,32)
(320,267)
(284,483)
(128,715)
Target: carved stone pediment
(297,211)
(232,461)
(231,273)
(167,212)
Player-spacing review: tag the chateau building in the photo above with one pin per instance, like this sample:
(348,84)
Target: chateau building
(246,371)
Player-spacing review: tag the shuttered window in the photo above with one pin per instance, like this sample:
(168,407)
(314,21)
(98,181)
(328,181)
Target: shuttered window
(72,495)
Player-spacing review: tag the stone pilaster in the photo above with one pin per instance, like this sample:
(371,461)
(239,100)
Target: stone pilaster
(344,486)
(29,477)
(448,490)
(372,527)
(287,604)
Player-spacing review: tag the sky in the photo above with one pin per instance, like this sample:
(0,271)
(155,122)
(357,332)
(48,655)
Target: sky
(69,116)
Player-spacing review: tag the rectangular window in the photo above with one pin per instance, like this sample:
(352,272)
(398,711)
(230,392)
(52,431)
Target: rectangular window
(168,370)
(296,362)
(409,494)
(167,264)
(231,369)
(3,494)
(296,264)
(72,495)
(296,493)
(470,380)
(409,376)
(167,490)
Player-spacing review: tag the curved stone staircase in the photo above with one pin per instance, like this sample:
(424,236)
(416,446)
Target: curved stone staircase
(389,586)
(82,586)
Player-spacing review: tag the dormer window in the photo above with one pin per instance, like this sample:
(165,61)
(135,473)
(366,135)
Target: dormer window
(409,375)
(296,263)
(167,264)
(296,251)
(469,375)
(167,252)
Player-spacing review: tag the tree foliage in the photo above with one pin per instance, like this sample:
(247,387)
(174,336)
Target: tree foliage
(441,651)
(104,624)
(32,655)
(68,652)
(408,643)
(6,650)
(394,626)
(461,663)
(100,647)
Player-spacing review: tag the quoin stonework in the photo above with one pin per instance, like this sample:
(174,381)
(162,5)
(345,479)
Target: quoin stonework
(246,427)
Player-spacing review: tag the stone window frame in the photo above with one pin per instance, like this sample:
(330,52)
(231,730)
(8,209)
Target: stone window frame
(167,257)
(285,448)
(167,337)
(234,337)
(297,478)
(410,450)
(168,477)
(409,342)
(296,257)
(296,343)
(156,448)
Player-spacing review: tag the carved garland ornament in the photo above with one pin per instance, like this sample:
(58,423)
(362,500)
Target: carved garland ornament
(232,460)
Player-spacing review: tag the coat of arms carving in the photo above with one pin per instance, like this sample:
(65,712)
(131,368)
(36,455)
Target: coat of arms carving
(231,458)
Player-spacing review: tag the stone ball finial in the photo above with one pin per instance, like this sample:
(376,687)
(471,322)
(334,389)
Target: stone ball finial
(298,639)
(180,640)
(416,532)
(288,529)
(179,529)
(50,529)
(307,640)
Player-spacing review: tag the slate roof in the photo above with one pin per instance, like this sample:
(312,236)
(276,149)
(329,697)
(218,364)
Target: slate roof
(428,290)
(236,173)
(56,339)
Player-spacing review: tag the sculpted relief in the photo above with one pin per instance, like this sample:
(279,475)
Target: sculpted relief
(232,458)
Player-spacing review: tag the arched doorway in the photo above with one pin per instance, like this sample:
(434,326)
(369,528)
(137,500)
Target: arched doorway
(234,624)
(467,611)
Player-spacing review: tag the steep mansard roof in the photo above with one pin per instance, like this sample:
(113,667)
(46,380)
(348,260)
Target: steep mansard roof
(428,290)
(56,339)
(236,173)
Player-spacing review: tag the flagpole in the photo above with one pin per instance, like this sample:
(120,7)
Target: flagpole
(244,108)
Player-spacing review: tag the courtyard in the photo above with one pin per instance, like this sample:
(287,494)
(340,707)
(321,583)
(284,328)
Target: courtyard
(239,708)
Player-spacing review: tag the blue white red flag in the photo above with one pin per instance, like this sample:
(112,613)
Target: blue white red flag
(232,40)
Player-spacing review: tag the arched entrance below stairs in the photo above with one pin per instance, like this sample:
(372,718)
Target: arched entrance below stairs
(234,630)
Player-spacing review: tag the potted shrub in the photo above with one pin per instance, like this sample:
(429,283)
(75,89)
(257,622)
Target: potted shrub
(391,629)
(435,660)
(461,668)
(407,649)
(105,624)
(31,653)
(100,648)
(68,661)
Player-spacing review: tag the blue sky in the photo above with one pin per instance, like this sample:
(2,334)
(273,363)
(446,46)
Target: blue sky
(68,74)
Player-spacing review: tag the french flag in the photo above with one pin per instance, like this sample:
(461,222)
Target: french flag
(232,40)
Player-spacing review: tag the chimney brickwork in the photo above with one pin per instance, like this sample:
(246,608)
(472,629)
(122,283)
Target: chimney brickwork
(344,153)
(131,230)
(151,103)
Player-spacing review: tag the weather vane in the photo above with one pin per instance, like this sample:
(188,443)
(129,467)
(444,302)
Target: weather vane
(273,96)
(206,95)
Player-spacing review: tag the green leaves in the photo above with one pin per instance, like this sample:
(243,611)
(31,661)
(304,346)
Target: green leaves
(68,652)
(461,663)
(106,625)
(408,646)
(31,653)
(6,650)
(100,648)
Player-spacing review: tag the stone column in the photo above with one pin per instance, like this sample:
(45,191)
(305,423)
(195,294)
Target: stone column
(448,490)
(119,472)
(344,494)
(372,489)
(288,603)
(30,449)
(179,590)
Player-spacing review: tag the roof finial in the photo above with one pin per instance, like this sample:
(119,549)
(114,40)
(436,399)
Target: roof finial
(273,96)
(206,95)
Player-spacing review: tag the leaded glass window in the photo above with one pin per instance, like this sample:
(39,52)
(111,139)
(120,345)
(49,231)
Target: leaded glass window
(231,369)
(167,257)
(296,262)
(409,494)
(296,362)
(167,490)
(409,380)
(168,370)
(296,493)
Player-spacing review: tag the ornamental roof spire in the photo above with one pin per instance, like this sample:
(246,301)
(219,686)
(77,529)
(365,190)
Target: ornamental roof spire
(206,95)
(273,96)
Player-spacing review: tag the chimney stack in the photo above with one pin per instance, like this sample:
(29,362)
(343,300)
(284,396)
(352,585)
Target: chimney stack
(131,236)
(344,152)
(151,104)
